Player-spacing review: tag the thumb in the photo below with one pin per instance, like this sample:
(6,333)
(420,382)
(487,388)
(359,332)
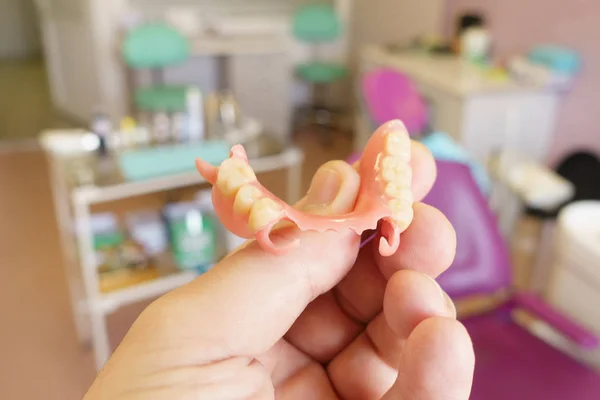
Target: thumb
(247,302)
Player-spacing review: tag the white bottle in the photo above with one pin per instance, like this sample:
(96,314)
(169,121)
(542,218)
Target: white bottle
(475,44)
(161,128)
(178,127)
(195,115)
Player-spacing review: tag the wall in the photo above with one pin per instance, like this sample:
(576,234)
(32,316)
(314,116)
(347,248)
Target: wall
(516,25)
(393,21)
(18,29)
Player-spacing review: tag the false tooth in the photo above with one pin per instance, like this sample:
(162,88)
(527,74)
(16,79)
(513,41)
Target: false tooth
(233,174)
(398,146)
(245,198)
(264,212)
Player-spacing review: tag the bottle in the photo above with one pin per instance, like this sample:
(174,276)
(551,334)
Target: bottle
(178,127)
(195,115)
(127,134)
(475,45)
(192,232)
(161,128)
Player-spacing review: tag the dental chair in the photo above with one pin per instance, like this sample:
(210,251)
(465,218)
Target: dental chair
(511,362)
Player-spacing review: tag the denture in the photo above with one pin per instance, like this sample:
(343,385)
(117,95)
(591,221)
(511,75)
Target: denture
(384,202)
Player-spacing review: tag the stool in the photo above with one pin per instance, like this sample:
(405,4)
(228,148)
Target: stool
(155,46)
(317,24)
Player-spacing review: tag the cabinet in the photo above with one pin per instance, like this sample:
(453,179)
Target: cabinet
(70,55)
(484,113)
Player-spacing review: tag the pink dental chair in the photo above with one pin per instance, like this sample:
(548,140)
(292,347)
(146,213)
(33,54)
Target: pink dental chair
(511,363)
(388,95)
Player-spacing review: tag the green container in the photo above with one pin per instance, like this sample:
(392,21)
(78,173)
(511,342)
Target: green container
(193,235)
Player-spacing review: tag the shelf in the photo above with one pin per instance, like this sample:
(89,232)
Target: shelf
(110,302)
(119,190)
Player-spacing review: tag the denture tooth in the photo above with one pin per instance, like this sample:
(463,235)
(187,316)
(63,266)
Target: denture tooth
(398,146)
(388,174)
(233,174)
(264,212)
(391,162)
(396,206)
(393,190)
(402,211)
(400,175)
(404,218)
(405,195)
(245,198)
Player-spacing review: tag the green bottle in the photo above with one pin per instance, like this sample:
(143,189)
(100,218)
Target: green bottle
(192,231)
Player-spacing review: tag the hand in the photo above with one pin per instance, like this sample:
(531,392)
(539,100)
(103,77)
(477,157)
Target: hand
(324,321)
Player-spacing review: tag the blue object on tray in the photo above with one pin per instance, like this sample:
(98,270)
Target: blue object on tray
(444,147)
(154,162)
(556,58)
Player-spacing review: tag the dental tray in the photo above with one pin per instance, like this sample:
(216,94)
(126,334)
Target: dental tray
(154,162)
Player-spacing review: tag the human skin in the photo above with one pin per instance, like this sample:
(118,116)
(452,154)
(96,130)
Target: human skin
(326,320)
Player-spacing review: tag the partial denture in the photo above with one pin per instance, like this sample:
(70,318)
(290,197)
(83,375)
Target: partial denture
(385,198)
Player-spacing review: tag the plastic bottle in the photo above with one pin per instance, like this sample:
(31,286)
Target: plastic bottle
(161,128)
(127,137)
(193,235)
(195,115)
(179,132)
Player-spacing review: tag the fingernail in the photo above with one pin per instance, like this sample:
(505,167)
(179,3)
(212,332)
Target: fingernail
(324,188)
(450,304)
(450,307)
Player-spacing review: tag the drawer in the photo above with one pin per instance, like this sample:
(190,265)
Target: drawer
(573,295)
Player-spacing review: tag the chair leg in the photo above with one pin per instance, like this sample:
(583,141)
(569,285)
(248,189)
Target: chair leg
(319,116)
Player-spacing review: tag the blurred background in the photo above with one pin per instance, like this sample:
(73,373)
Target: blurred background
(106,104)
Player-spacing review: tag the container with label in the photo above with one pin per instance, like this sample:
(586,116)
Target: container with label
(107,237)
(193,234)
(147,228)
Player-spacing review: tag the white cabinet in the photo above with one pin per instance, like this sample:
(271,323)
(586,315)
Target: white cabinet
(72,52)
(575,279)
(483,112)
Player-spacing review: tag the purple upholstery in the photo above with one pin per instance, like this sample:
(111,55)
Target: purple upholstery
(481,264)
(353,158)
(390,95)
(532,304)
(511,364)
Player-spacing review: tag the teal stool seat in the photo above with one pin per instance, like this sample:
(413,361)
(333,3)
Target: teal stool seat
(156,46)
(321,72)
(317,24)
(161,98)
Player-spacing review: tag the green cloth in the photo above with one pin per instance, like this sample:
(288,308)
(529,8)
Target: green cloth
(320,72)
(108,240)
(161,98)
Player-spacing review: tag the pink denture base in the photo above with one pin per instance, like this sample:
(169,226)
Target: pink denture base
(371,211)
